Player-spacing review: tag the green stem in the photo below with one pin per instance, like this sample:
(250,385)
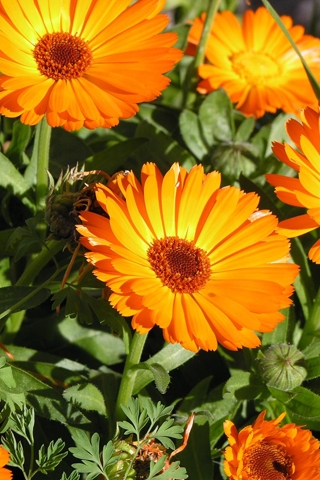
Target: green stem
(40,156)
(129,375)
(192,75)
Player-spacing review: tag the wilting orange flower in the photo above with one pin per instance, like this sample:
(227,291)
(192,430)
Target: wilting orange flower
(255,63)
(199,261)
(303,191)
(5,474)
(266,451)
(82,63)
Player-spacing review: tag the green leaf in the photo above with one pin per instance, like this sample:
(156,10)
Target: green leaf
(300,401)
(106,348)
(6,377)
(170,357)
(21,135)
(161,148)
(191,133)
(14,299)
(216,118)
(86,396)
(111,159)
(312,367)
(66,149)
(174,471)
(160,375)
(50,457)
(245,129)
(197,455)
(243,386)
(46,401)
(11,179)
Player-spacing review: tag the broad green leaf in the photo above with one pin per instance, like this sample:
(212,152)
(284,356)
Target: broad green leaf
(104,347)
(111,159)
(46,401)
(170,357)
(281,333)
(245,129)
(12,179)
(21,135)
(312,367)
(216,117)
(243,386)
(196,457)
(66,149)
(86,396)
(21,298)
(196,396)
(161,148)
(160,375)
(192,135)
(300,401)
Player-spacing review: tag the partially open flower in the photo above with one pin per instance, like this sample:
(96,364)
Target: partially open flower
(266,451)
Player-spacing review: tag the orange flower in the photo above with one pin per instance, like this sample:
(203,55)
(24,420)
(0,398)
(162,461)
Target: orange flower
(199,261)
(5,474)
(266,451)
(303,191)
(255,63)
(82,63)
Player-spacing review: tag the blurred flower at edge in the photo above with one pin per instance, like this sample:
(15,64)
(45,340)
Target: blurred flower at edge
(303,191)
(255,63)
(5,474)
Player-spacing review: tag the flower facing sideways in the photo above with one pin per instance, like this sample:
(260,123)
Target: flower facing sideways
(303,191)
(199,261)
(5,474)
(255,63)
(266,451)
(82,63)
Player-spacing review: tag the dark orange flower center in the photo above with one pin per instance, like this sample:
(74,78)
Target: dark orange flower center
(62,56)
(180,265)
(267,461)
(256,68)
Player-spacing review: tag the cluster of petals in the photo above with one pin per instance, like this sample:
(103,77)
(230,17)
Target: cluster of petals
(268,451)
(5,474)
(200,261)
(255,63)
(82,62)
(303,191)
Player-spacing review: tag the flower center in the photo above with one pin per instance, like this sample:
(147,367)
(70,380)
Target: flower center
(62,56)
(180,265)
(265,461)
(254,67)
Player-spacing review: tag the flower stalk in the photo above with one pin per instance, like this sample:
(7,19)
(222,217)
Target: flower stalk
(40,157)
(129,375)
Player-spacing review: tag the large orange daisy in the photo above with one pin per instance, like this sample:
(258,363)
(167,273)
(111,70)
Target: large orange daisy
(266,451)
(82,62)
(255,63)
(199,261)
(5,474)
(303,191)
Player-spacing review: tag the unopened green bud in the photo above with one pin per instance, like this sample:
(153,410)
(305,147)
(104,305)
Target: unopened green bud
(283,366)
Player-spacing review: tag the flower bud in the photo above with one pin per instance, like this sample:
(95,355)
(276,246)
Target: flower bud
(283,366)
